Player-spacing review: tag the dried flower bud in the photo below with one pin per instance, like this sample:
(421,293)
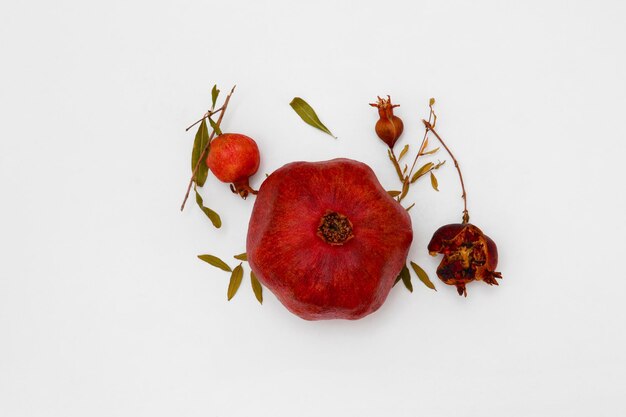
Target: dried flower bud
(389,127)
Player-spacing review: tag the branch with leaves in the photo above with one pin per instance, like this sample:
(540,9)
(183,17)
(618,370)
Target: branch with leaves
(201,148)
(408,178)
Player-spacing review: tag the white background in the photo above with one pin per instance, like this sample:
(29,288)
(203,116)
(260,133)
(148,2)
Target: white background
(105,309)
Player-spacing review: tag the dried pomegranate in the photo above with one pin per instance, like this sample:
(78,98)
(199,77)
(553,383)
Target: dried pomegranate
(327,239)
(389,127)
(468,255)
(234,158)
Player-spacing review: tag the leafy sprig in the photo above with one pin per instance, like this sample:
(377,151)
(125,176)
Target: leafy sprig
(406,176)
(201,148)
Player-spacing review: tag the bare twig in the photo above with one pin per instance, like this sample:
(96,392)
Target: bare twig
(206,115)
(431,128)
(422,145)
(201,158)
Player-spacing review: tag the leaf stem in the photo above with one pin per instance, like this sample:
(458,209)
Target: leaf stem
(431,128)
(201,158)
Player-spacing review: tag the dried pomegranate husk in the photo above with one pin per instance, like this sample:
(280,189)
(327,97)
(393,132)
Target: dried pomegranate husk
(468,255)
(327,239)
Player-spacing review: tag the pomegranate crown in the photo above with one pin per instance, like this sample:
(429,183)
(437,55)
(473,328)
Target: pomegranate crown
(385,107)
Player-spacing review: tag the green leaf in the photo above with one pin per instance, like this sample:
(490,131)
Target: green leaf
(235,281)
(393,193)
(403,152)
(216,262)
(213,216)
(406,278)
(307,114)
(423,276)
(256,287)
(215,127)
(433,181)
(423,170)
(201,140)
(241,257)
(214,93)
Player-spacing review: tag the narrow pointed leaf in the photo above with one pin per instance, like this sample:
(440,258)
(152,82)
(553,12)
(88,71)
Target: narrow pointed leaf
(398,278)
(423,276)
(256,287)
(393,193)
(433,181)
(410,207)
(215,127)
(241,257)
(403,152)
(432,151)
(307,114)
(423,170)
(406,278)
(216,262)
(235,281)
(405,189)
(213,216)
(201,140)
(214,93)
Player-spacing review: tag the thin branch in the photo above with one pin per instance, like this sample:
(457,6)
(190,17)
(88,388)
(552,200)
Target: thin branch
(421,149)
(201,158)
(206,115)
(431,128)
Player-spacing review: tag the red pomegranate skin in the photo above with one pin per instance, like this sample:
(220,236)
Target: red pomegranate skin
(305,253)
(233,157)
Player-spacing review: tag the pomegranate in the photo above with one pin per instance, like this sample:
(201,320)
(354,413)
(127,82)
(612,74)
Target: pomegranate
(468,255)
(234,158)
(327,239)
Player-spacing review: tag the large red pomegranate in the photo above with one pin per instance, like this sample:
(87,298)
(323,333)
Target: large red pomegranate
(327,239)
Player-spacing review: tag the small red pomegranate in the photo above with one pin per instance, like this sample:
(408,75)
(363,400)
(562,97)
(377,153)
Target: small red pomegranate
(234,158)
(468,255)
(327,239)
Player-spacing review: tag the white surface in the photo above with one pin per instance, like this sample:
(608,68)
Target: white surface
(104,309)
